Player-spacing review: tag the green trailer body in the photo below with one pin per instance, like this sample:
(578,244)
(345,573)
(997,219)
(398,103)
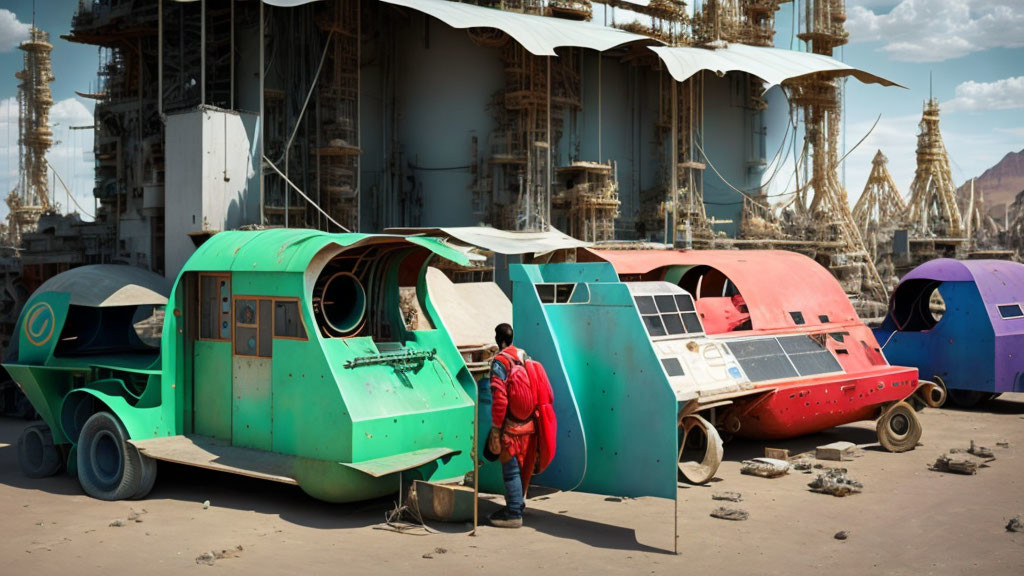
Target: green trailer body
(285,354)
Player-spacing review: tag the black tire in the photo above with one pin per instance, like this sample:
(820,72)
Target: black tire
(37,456)
(148,475)
(966,398)
(109,468)
(898,429)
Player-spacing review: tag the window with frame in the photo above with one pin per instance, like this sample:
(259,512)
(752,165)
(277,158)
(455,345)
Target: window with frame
(214,307)
(668,314)
(1010,311)
(288,320)
(254,324)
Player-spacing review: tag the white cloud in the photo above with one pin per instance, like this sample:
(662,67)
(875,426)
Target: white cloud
(1013,131)
(71,154)
(937,30)
(971,96)
(12,32)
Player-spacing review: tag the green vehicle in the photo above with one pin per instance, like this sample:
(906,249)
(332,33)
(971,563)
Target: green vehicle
(296,356)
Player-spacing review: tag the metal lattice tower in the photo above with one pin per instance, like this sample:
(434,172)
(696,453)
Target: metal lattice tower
(933,209)
(880,206)
(821,206)
(29,199)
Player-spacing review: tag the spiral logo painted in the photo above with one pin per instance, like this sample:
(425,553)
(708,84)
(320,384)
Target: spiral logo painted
(39,323)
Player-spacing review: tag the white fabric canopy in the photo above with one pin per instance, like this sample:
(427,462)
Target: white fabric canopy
(500,241)
(540,35)
(773,65)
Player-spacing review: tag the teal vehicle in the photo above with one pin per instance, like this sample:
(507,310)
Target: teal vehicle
(296,356)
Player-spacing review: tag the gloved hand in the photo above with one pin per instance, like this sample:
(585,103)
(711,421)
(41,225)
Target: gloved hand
(494,441)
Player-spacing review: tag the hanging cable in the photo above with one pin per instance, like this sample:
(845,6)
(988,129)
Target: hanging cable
(303,194)
(70,195)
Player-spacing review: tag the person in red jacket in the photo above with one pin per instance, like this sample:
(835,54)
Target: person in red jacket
(509,438)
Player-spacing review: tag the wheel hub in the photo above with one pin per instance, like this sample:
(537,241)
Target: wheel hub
(899,424)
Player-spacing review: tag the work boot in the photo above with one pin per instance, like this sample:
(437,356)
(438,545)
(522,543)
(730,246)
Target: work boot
(505,519)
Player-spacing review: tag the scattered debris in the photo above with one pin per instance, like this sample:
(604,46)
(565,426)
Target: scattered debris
(803,465)
(956,464)
(136,516)
(980,451)
(1015,525)
(730,496)
(765,467)
(1003,444)
(837,451)
(776,453)
(117,523)
(209,558)
(730,513)
(206,505)
(842,535)
(835,482)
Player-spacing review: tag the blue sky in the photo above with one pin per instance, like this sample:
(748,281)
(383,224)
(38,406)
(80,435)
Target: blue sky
(973,48)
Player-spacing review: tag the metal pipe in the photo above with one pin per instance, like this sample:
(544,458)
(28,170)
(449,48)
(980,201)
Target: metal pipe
(359,132)
(160,58)
(231,101)
(674,163)
(547,180)
(599,157)
(202,52)
(262,124)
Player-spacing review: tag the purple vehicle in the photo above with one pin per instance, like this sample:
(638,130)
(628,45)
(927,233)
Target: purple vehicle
(961,323)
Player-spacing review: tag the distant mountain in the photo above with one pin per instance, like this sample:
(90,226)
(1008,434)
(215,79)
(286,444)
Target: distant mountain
(999,185)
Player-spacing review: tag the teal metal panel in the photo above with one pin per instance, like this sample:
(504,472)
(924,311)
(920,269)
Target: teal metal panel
(212,384)
(609,374)
(252,406)
(535,334)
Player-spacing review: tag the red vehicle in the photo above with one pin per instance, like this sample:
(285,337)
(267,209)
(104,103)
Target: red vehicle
(795,336)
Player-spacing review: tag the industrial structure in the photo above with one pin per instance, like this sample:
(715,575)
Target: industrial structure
(30,199)
(598,118)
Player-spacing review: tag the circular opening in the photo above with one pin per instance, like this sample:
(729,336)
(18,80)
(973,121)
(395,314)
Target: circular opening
(106,455)
(34,449)
(343,303)
(148,322)
(899,424)
(936,305)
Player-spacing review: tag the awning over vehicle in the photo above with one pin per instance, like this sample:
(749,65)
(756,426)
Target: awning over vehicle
(540,35)
(500,241)
(773,65)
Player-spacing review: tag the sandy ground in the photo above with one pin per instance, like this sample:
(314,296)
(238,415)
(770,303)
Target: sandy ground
(908,520)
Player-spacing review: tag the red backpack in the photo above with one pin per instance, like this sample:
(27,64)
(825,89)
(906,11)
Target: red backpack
(530,396)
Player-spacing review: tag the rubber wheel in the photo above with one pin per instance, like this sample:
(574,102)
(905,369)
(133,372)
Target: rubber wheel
(109,468)
(898,429)
(148,475)
(700,472)
(967,398)
(937,396)
(37,456)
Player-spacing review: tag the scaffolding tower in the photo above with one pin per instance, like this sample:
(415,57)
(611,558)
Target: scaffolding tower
(879,210)
(933,210)
(30,198)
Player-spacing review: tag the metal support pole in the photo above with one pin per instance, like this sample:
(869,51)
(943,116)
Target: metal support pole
(261,123)
(674,163)
(160,58)
(231,102)
(202,52)
(600,158)
(547,180)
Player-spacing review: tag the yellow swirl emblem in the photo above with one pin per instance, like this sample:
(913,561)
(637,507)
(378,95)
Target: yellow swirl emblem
(39,323)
